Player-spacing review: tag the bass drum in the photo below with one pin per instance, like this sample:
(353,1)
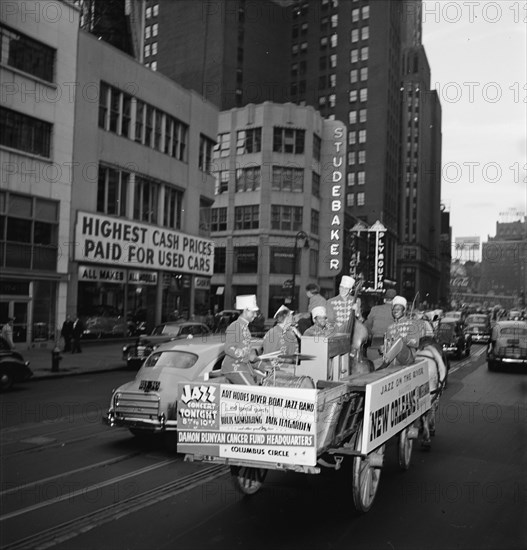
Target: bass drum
(282,379)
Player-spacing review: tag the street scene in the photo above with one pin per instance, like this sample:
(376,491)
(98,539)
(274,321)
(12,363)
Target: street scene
(263,274)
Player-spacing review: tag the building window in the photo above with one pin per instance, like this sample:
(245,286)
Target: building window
(147,50)
(354,35)
(112,191)
(288,179)
(351,179)
(365,12)
(364,94)
(148,13)
(352,137)
(248,179)
(222,182)
(333,40)
(315,184)
(176,139)
(281,260)
(362,136)
(154,48)
(220,259)
(364,53)
(351,158)
(332,100)
(324,42)
(223,145)
(28,232)
(353,95)
(205,153)
(173,208)
(360,199)
(286,218)
(317,144)
(352,117)
(247,217)
(334,21)
(315,217)
(246,259)
(365,34)
(332,80)
(354,55)
(218,219)
(153,65)
(204,217)
(362,115)
(148,32)
(350,199)
(355,12)
(364,74)
(25,133)
(361,178)
(249,141)
(146,200)
(354,76)
(362,157)
(25,54)
(155,28)
(288,140)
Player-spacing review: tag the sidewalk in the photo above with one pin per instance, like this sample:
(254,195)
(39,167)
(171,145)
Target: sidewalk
(95,357)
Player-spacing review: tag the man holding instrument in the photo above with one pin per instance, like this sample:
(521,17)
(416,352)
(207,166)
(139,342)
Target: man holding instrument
(283,338)
(239,354)
(340,308)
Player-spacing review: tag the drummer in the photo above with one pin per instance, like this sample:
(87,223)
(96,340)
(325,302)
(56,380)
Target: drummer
(283,337)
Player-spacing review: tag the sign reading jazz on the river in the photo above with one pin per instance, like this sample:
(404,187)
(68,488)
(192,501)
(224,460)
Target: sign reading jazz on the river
(124,243)
(264,424)
(394,402)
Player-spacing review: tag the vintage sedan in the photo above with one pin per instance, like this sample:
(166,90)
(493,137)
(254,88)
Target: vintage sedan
(508,345)
(13,368)
(452,339)
(147,404)
(134,354)
(477,325)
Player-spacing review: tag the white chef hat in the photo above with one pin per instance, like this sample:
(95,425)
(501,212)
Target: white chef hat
(247,301)
(319,311)
(347,281)
(281,309)
(399,301)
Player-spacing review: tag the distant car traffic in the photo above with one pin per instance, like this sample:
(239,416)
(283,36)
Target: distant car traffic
(452,339)
(147,404)
(13,368)
(477,325)
(457,315)
(508,345)
(134,354)
(106,321)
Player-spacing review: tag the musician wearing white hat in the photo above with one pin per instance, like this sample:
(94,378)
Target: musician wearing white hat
(340,307)
(321,327)
(239,354)
(409,330)
(283,338)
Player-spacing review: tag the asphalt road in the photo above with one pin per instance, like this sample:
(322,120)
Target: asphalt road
(68,482)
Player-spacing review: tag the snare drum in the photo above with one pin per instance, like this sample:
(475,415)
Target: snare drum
(285,380)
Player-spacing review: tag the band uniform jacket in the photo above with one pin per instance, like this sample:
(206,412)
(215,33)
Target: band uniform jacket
(284,341)
(339,311)
(237,348)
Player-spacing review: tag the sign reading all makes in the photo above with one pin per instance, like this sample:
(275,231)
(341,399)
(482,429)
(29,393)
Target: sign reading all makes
(101,239)
(264,424)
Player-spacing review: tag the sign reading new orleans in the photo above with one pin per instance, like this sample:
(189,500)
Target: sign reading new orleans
(105,240)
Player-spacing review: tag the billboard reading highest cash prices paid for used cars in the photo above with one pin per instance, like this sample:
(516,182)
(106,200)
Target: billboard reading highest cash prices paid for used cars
(264,424)
(124,243)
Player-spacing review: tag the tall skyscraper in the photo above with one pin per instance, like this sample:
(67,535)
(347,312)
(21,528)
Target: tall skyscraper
(357,61)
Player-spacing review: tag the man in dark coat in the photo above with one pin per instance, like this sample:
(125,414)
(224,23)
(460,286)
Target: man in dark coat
(78,329)
(67,332)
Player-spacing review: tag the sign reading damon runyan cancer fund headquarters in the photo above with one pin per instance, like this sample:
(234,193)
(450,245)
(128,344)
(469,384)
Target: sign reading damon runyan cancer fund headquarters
(105,240)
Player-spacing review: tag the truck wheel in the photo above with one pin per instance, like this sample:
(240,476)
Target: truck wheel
(366,476)
(248,480)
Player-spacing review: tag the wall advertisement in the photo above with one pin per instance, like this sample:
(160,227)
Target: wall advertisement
(394,402)
(124,243)
(264,424)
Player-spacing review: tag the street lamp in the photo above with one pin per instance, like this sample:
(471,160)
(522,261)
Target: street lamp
(300,236)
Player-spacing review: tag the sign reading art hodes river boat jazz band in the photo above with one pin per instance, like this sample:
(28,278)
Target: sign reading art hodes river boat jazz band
(125,243)
(264,424)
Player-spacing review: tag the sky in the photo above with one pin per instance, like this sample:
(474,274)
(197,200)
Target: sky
(478,60)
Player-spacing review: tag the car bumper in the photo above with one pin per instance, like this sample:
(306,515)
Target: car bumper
(450,350)
(508,361)
(480,338)
(158,425)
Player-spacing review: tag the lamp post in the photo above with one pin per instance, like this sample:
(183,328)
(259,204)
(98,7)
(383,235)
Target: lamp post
(300,236)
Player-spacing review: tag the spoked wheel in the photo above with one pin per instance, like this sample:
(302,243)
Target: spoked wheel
(405,445)
(248,480)
(366,476)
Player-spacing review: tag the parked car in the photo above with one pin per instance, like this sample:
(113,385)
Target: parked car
(104,322)
(134,354)
(508,344)
(457,315)
(147,404)
(452,338)
(477,325)
(13,368)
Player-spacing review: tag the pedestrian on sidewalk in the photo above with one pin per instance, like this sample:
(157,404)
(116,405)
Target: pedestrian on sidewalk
(67,332)
(7,332)
(78,329)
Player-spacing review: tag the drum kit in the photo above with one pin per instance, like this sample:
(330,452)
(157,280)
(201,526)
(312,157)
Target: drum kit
(274,376)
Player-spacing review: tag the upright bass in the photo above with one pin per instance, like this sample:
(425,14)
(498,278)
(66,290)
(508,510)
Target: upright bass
(359,363)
